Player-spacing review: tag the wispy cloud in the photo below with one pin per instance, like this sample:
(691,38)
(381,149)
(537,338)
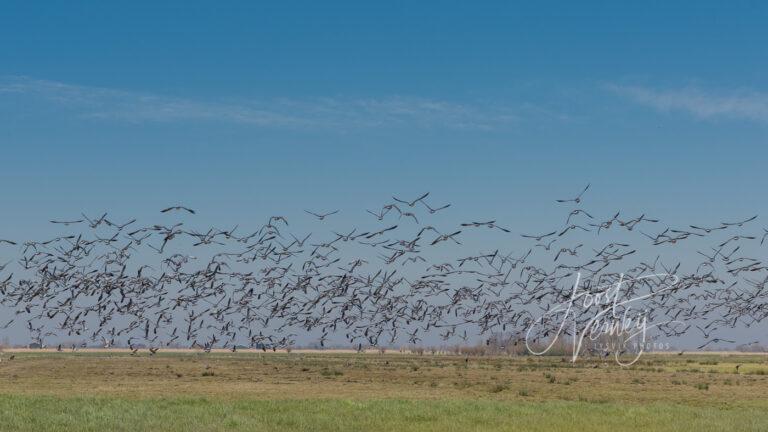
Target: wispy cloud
(343,113)
(747,105)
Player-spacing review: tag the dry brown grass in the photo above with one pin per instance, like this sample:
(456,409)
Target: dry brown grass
(694,380)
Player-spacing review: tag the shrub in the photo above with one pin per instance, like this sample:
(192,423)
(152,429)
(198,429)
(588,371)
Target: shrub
(498,388)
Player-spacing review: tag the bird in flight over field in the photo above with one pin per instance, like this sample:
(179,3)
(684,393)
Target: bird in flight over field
(577,200)
(178,208)
(321,216)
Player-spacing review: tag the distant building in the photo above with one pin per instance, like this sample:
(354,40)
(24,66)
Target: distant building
(34,345)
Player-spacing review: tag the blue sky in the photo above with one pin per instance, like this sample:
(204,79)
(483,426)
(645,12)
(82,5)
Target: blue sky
(249,108)
(244,110)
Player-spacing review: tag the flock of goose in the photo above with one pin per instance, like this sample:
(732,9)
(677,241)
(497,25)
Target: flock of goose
(398,279)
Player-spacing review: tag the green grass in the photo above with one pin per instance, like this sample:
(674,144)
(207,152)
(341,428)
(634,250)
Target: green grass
(111,391)
(42,413)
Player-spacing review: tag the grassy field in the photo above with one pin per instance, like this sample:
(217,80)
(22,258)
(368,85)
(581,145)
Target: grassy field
(106,391)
